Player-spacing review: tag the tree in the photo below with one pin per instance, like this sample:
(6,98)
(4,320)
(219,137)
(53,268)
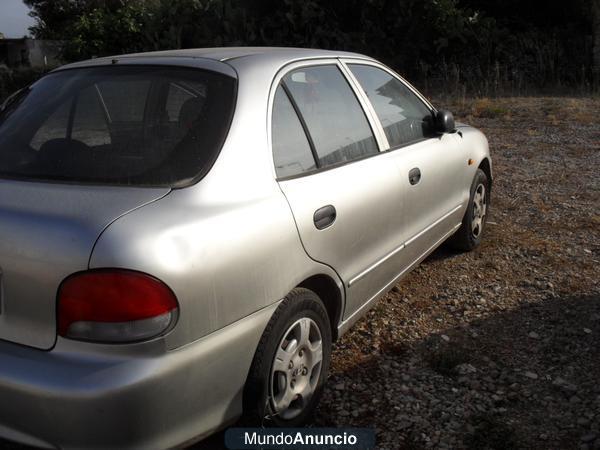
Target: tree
(54,17)
(108,28)
(596,42)
(460,41)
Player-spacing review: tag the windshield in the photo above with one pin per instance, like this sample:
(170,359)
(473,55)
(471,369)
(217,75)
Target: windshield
(124,125)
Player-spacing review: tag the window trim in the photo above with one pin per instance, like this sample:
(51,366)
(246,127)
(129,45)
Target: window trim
(309,139)
(367,106)
(373,122)
(327,168)
(354,61)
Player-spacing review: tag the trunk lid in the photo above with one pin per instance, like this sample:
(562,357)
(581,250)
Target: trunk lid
(47,232)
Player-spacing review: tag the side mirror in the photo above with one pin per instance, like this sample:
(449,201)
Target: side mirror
(444,121)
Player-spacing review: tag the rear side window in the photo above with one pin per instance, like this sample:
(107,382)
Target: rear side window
(404,117)
(122,125)
(334,118)
(291,151)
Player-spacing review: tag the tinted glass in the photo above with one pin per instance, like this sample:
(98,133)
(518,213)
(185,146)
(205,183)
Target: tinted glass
(405,118)
(90,125)
(131,110)
(291,150)
(335,119)
(178,94)
(127,125)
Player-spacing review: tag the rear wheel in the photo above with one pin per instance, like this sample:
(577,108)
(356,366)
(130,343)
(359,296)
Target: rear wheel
(471,230)
(290,365)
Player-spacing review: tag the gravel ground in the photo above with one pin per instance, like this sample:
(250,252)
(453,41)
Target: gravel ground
(498,348)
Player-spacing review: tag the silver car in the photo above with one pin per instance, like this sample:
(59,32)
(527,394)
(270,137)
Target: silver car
(183,234)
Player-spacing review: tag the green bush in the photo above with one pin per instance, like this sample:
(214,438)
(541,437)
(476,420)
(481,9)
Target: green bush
(473,47)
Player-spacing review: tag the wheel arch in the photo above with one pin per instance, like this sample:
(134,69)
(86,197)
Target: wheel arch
(487,169)
(329,292)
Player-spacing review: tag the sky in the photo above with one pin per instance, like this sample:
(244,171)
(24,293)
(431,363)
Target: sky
(14,20)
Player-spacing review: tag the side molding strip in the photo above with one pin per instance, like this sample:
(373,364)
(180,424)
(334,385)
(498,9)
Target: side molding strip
(376,264)
(346,324)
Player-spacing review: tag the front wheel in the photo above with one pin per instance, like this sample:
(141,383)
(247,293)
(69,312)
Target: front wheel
(290,365)
(470,232)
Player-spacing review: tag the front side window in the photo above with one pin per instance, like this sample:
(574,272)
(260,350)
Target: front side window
(404,117)
(122,125)
(334,118)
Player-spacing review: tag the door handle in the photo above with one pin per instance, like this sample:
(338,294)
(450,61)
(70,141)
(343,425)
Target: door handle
(324,217)
(414,176)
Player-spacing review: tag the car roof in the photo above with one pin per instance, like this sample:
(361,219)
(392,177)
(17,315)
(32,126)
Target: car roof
(228,53)
(194,56)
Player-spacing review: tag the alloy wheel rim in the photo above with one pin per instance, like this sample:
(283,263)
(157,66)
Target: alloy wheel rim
(479,210)
(296,368)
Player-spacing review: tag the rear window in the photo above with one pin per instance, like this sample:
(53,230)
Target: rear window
(121,125)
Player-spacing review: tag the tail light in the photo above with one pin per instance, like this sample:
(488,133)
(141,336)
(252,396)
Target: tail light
(114,305)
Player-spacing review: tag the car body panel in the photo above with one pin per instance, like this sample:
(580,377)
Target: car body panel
(368,221)
(427,215)
(47,233)
(187,61)
(191,239)
(137,396)
(381,228)
(198,255)
(230,247)
(443,165)
(367,225)
(477,147)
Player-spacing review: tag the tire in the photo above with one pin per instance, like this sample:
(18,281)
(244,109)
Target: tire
(296,374)
(469,235)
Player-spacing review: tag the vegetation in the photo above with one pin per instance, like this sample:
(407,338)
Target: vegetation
(491,46)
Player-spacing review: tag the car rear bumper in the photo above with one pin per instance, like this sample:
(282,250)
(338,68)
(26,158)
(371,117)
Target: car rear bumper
(136,396)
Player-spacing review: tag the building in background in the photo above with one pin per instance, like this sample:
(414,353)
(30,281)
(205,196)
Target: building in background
(26,52)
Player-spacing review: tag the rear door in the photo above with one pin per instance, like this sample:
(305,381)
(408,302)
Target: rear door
(342,191)
(431,166)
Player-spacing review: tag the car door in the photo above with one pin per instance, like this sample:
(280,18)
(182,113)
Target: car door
(340,188)
(431,166)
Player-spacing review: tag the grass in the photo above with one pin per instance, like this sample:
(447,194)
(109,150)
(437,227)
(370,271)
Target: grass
(486,108)
(554,111)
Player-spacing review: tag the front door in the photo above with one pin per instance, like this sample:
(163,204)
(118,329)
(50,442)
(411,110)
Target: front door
(429,164)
